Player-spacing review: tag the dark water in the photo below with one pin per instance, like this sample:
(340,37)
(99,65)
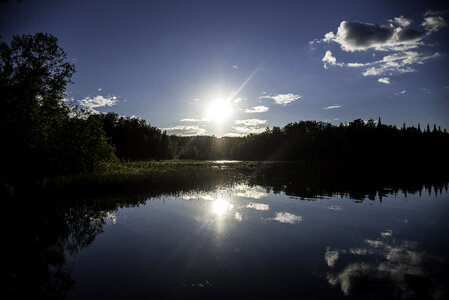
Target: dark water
(241,241)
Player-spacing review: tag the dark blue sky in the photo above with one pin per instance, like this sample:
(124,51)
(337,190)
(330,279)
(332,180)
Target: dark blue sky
(268,62)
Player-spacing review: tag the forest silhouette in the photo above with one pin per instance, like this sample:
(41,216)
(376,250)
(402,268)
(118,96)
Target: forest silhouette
(44,136)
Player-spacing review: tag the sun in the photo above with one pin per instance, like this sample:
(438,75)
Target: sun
(219,111)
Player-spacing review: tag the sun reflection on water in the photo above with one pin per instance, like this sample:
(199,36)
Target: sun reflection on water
(220,207)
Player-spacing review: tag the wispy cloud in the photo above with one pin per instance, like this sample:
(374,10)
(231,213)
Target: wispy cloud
(256,109)
(333,107)
(401,92)
(250,122)
(402,21)
(186,130)
(99,90)
(235,67)
(385,80)
(434,23)
(205,119)
(246,127)
(245,130)
(282,99)
(401,62)
(238,100)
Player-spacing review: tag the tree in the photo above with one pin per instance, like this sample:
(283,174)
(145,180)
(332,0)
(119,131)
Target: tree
(34,121)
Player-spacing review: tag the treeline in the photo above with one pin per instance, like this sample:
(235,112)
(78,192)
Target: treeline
(358,144)
(134,139)
(354,143)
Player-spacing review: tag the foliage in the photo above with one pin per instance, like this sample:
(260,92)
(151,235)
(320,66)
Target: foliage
(358,144)
(134,139)
(40,137)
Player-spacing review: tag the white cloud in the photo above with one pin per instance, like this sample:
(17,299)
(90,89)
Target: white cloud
(400,62)
(245,130)
(251,122)
(333,107)
(256,109)
(90,103)
(401,21)
(238,100)
(435,23)
(99,90)
(385,80)
(329,36)
(355,65)
(235,67)
(328,58)
(190,120)
(283,99)
(195,99)
(186,130)
(401,92)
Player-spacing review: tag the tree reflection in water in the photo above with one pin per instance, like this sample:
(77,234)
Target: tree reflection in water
(39,235)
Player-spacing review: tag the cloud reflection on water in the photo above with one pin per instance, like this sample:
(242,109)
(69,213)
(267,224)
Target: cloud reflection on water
(399,269)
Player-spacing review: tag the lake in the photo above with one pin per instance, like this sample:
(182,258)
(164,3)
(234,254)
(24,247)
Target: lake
(240,240)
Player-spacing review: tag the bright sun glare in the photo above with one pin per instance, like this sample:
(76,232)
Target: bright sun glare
(219,110)
(221,206)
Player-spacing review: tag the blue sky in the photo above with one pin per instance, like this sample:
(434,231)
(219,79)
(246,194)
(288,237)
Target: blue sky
(235,67)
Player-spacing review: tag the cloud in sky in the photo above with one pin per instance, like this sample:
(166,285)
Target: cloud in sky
(256,109)
(401,92)
(250,122)
(333,107)
(100,89)
(385,80)
(330,59)
(400,62)
(401,21)
(204,119)
(396,38)
(246,127)
(434,23)
(245,130)
(359,36)
(238,100)
(90,103)
(282,99)
(186,130)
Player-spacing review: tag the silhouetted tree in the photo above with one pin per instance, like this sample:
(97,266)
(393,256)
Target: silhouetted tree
(34,121)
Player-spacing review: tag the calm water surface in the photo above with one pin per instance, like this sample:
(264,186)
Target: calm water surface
(246,242)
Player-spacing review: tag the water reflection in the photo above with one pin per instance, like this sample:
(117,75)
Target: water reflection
(392,265)
(221,207)
(288,218)
(258,206)
(221,233)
